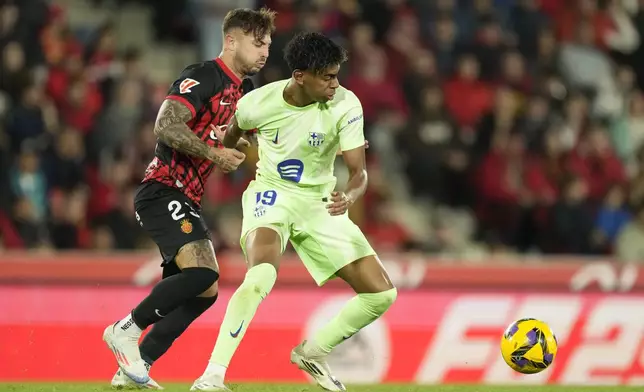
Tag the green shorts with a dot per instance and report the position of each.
(325, 243)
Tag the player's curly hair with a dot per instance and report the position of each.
(313, 52)
(260, 22)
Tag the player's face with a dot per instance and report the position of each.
(321, 87)
(252, 53)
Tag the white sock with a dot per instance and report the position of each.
(217, 370)
(128, 326)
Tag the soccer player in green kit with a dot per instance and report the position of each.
(301, 123)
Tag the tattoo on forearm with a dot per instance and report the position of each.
(171, 129)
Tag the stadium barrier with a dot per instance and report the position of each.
(444, 328)
(559, 274)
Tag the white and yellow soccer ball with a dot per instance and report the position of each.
(529, 346)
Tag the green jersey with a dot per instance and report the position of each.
(298, 145)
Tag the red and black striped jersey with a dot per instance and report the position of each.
(211, 91)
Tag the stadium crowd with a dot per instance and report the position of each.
(495, 126)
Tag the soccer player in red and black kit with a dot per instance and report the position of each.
(168, 201)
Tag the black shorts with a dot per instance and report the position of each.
(169, 217)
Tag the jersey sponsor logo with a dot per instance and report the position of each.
(356, 118)
(291, 170)
(224, 103)
(316, 139)
(187, 84)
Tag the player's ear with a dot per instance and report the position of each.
(228, 41)
(298, 76)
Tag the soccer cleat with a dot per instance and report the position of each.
(317, 367)
(125, 347)
(209, 382)
(121, 381)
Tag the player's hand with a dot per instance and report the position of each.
(220, 133)
(228, 159)
(340, 203)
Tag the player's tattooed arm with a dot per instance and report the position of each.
(170, 127)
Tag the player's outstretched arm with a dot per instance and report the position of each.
(171, 129)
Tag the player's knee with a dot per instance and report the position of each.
(211, 291)
(263, 245)
(201, 278)
(382, 301)
(259, 280)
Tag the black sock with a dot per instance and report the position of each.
(164, 333)
(171, 293)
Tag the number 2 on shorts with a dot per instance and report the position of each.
(267, 198)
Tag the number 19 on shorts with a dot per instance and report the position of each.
(263, 200)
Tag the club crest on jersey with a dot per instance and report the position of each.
(316, 139)
(186, 226)
(186, 85)
(259, 211)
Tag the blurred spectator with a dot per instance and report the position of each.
(506, 198)
(421, 74)
(26, 120)
(572, 219)
(527, 21)
(14, 75)
(444, 43)
(29, 183)
(630, 241)
(375, 90)
(81, 104)
(430, 142)
(466, 83)
(627, 131)
(488, 47)
(68, 224)
(119, 120)
(595, 161)
(611, 218)
(121, 231)
(64, 161)
(26, 223)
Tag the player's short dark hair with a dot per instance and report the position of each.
(313, 52)
(259, 23)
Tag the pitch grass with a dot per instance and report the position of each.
(75, 387)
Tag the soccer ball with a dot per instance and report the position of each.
(528, 346)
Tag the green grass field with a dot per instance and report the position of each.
(72, 387)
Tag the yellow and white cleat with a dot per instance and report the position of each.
(317, 367)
